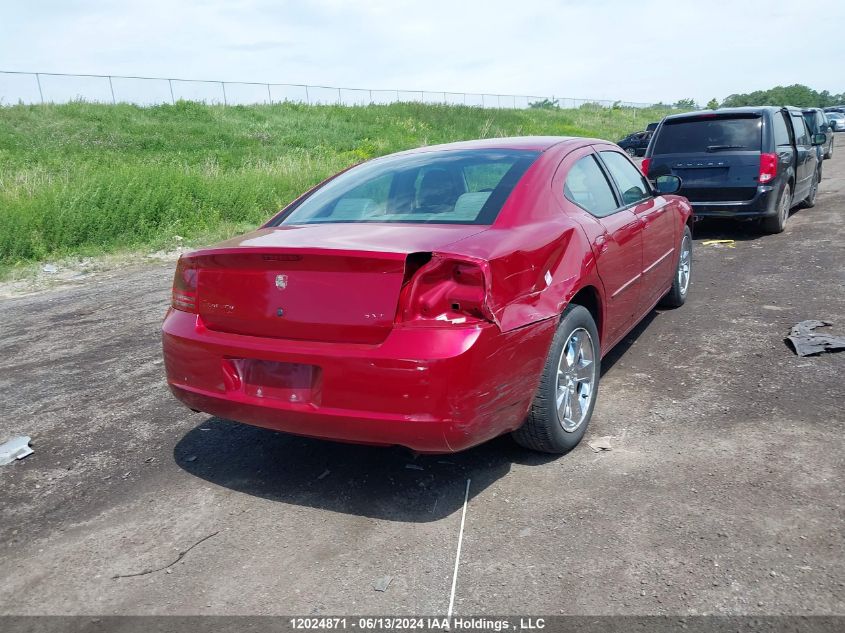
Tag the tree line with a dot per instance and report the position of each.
(794, 95)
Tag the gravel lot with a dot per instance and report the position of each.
(723, 492)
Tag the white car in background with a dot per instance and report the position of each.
(836, 120)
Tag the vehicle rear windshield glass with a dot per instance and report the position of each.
(436, 187)
(717, 134)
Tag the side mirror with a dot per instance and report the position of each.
(667, 184)
(819, 139)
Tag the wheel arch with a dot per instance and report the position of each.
(589, 297)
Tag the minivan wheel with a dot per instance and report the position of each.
(777, 222)
(810, 201)
(564, 402)
(677, 295)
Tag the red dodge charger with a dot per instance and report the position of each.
(434, 298)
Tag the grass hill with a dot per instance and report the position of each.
(82, 178)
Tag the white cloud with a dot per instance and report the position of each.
(642, 50)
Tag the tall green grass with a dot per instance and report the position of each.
(86, 178)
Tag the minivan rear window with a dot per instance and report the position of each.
(711, 134)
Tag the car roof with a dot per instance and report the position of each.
(535, 143)
(722, 111)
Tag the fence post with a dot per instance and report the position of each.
(371, 97)
(223, 85)
(111, 87)
(172, 98)
(307, 97)
(269, 96)
(38, 79)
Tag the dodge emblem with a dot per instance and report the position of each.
(281, 282)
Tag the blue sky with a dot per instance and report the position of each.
(633, 50)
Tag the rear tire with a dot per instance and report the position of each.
(566, 397)
(677, 295)
(777, 222)
(631, 152)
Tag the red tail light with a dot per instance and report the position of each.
(448, 290)
(185, 286)
(768, 167)
(644, 166)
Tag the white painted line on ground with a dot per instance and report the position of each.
(458, 554)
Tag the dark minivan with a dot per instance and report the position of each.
(745, 163)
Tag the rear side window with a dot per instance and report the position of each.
(711, 134)
(781, 132)
(587, 187)
(632, 185)
(800, 128)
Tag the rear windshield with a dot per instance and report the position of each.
(437, 187)
(684, 136)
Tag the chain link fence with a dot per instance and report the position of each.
(29, 87)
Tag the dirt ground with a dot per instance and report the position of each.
(723, 492)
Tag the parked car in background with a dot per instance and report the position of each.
(434, 298)
(745, 163)
(836, 120)
(635, 144)
(818, 124)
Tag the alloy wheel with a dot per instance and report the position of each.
(684, 265)
(576, 378)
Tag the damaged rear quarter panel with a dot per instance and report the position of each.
(537, 257)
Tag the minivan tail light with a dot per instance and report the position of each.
(184, 296)
(768, 167)
(644, 166)
(448, 290)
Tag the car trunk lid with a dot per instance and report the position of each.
(333, 283)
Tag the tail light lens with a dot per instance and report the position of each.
(447, 290)
(185, 286)
(768, 167)
(644, 166)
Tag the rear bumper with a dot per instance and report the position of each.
(434, 390)
(764, 203)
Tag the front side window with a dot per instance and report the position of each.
(587, 186)
(631, 183)
(801, 135)
(810, 120)
(437, 187)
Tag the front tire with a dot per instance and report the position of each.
(566, 397)
(631, 151)
(677, 295)
(777, 222)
